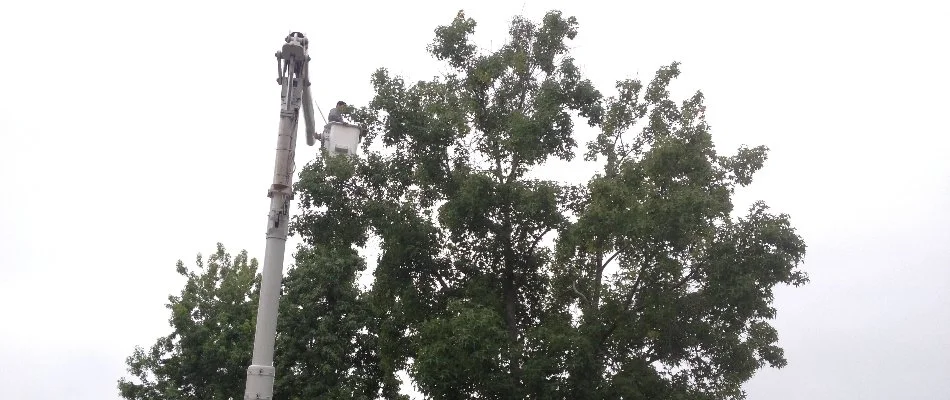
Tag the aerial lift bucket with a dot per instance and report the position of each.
(341, 138)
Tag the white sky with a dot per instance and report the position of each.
(134, 135)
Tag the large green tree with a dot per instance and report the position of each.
(636, 284)
(492, 283)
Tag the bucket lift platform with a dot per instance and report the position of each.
(338, 139)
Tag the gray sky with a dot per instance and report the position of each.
(134, 135)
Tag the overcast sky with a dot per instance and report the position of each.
(134, 134)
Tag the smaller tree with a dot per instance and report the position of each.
(206, 355)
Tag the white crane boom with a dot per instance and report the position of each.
(293, 68)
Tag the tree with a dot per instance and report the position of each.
(650, 288)
(207, 354)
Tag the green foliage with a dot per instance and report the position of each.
(637, 284)
(207, 355)
(321, 315)
(650, 288)
(457, 354)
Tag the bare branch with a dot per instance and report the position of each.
(441, 281)
(602, 266)
(579, 294)
(690, 275)
(537, 240)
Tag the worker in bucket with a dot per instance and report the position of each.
(335, 116)
(336, 113)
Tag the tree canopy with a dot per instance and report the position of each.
(636, 284)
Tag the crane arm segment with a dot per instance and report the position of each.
(293, 68)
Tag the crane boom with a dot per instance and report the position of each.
(293, 68)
